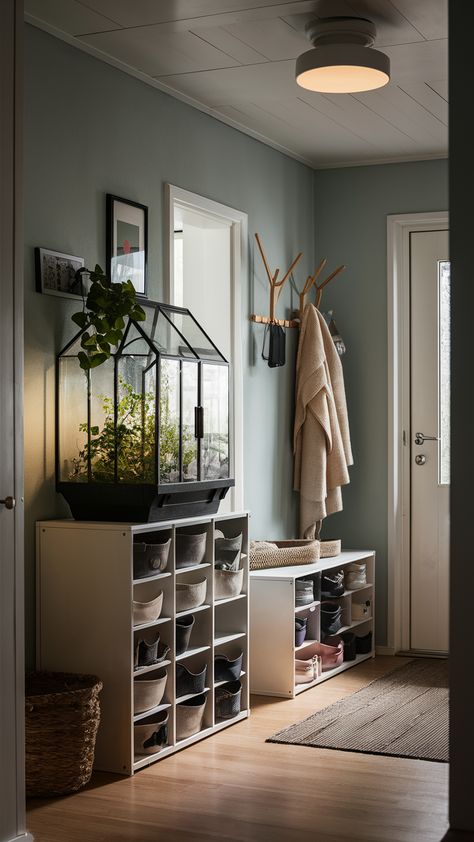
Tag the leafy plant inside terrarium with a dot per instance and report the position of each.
(135, 440)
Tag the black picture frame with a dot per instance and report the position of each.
(56, 274)
(127, 223)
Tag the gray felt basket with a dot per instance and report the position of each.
(148, 692)
(228, 583)
(190, 595)
(189, 716)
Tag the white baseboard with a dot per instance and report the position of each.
(24, 837)
(384, 650)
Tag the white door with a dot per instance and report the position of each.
(430, 457)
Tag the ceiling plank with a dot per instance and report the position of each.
(401, 110)
(428, 98)
(430, 17)
(441, 87)
(149, 12)
(274, 39)
(424, 60)
(347, 111)
(158, 54)
(69, 15)
(223, 40)
(270, 80)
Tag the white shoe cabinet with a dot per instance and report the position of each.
(272, 620)
(85, 589)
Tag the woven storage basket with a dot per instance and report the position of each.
(330, 548)
(62, 716)
(288, 553)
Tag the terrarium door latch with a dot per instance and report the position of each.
(199, 422)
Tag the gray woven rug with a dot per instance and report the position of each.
(403, 714)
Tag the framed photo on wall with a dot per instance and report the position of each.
(127, 242)
(56, 274)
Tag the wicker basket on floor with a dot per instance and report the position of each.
(286, 554)
(62, 716)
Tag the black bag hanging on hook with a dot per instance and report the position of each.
(274, 338)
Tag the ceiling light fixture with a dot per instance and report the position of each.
(342, 60)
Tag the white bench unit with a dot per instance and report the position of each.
(272, 622)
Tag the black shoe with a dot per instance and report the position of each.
(332, 584)
(331, 618)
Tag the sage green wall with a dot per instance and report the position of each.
(351, 208)
(90, 129)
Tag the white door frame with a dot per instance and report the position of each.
(239, 268)
(399, 228)
(12, 775)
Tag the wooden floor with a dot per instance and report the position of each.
(234, 786)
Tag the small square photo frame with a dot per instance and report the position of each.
(127, 242)
(56, 274)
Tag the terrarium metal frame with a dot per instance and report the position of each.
(145, 501)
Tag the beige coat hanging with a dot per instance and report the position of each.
(322, 446)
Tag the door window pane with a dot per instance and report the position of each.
(444, 285)
(169, 420)
(215, 401)
(190, 401)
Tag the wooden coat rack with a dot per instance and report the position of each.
(276, 287)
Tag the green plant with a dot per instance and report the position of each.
(134, 438)
(103, 318)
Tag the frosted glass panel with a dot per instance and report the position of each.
(444, 283)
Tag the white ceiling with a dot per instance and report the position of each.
(235, 60)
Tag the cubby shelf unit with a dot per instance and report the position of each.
(272, 620)
(85, 591)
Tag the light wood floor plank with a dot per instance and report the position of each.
(235, 787)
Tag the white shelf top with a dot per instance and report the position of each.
(151, 668)
(138, 716)
(227, 680)
(307, 642)
(136, 528)
(152, 623)
(192, 611)
(189, 652)
(354, 625)
(310, 606)
(219, 639)
(188, 696)
(294, 572)
(230, 599)
(147, 759)
(143, 579)
(180, 570)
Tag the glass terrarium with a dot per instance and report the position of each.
(145, 436)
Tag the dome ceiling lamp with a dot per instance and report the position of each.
(342, 60)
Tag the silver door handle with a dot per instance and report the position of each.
(420, 438)
(8, 502)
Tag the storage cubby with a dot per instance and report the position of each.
(272, 617)
(87, 582)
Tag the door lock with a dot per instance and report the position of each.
(9, 502)
(420, 459)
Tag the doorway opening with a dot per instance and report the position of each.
(206, 270)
